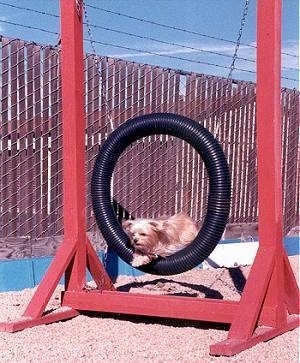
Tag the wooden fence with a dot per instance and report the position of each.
(156, 175)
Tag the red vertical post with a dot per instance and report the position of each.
(266, 301)
(269, 134)
(265, 282)
(269, 121)
(73, 136)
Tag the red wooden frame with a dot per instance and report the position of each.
(269, 304)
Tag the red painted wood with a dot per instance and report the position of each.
(253, 296)
(269, 122)
(264, 299)
(269, 176)
(231, 347)
(73, 138)
(291, 296)
(57, 315)
(269, 146)
(97, 270)
(178, 307)
(50, 280)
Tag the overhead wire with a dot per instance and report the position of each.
(168, 56)
(193, 48)
(28, 27)
(141, 51)
(124, 47)
(29, 9)
(150, 22)
(172, 27)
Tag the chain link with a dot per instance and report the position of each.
(97, 63)
(238, 41)
(224, 283)
(232, 66)
(78, 8)
(216, 131)
(103, 96)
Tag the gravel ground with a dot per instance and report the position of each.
(107, 338)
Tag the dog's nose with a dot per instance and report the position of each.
(135, 241)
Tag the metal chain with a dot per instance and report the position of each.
(229, 78)
(232, 65)
(78, 8)
(97, 63)
(230, 287)
(225, 283)
(238, 41)
(105, 101)
(103, 96)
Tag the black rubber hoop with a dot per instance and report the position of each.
(218, 203)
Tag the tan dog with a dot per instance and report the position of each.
(161, 237)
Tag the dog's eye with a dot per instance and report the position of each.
(143, 234)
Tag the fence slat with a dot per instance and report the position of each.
(55, 122)
(5, 140)
(24, 177)
(29, 165)
(37, 69)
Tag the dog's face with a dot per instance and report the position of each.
(143, 234)
(153, 238)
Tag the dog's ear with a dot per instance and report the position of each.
(160, 229)
(157, 225)
(126, 224)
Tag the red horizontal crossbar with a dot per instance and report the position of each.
(178, 307)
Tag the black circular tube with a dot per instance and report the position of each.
(218, 203)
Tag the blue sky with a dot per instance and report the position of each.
(216, 22)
